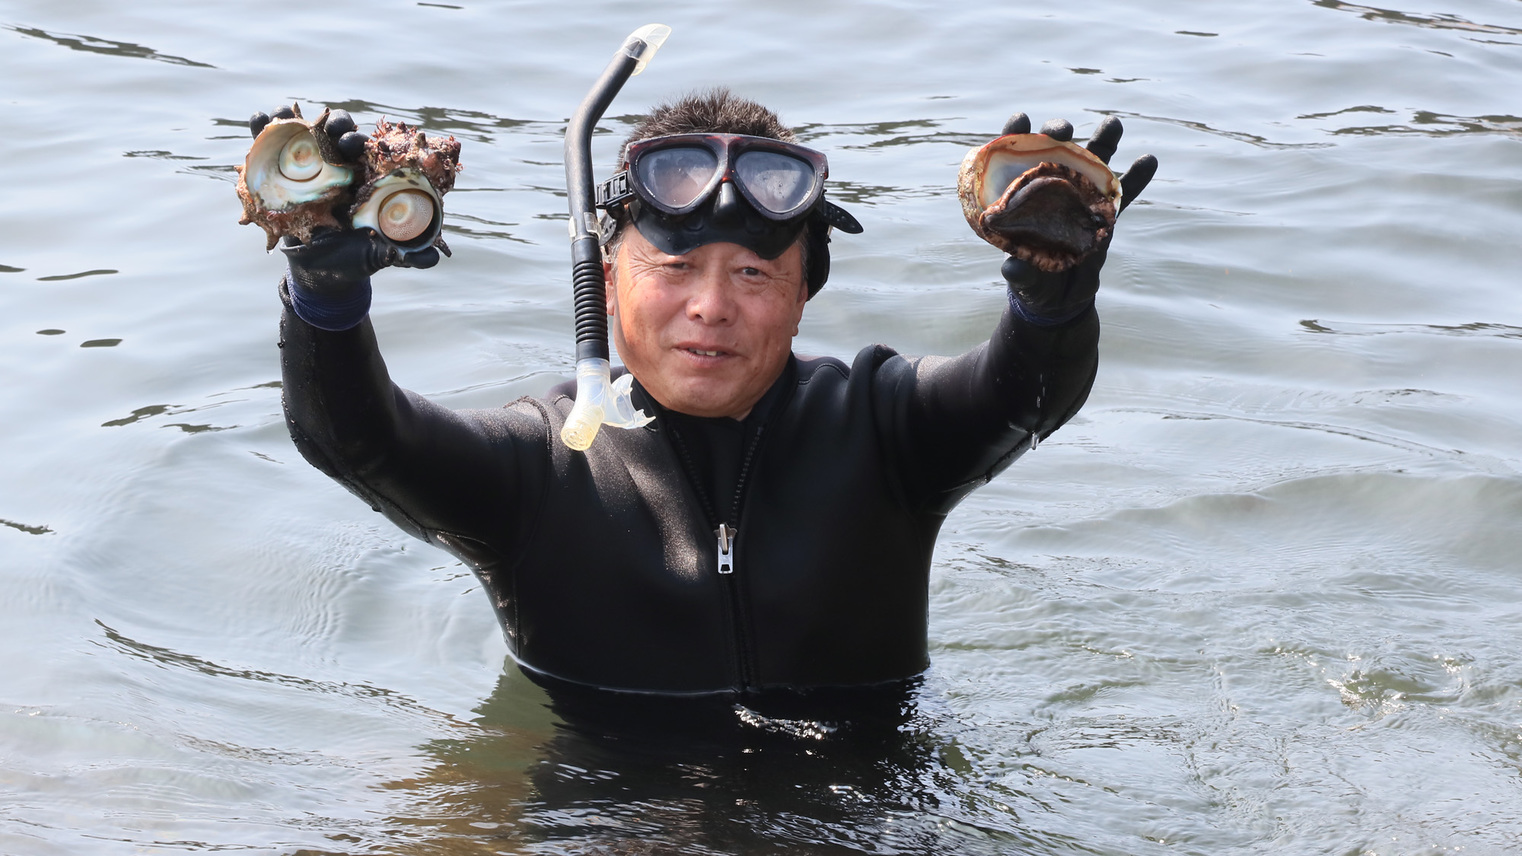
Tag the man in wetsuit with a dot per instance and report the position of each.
(773, 527)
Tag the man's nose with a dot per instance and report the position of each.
(711, 300)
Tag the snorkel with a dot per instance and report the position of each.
(598, 400)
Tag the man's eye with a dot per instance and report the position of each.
(750, 271)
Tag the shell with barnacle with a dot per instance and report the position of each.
(292, 179)
(1046, 202)
(406, 174)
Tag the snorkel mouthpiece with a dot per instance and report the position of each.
(598, 400)
(643, 43)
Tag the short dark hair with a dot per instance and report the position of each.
(707, 111)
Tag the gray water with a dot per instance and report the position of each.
(1261, 596)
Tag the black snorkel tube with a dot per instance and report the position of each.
(597, 399)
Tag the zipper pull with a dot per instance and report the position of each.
(726, 548)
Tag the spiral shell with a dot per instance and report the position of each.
(290, 181)
(406, 174)
(406, 214)
(294, 181)
(1046, 202)
(403, 207)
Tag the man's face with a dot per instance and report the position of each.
(705, 333)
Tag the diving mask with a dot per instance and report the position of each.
(686, 190)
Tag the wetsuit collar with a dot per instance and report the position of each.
(758, 414)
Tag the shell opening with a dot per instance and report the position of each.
(1007, 158)
(300, 159)
(1003, 169)
(285, 169)
(403, 207)
(405, 215)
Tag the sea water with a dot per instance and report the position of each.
(1263, 595)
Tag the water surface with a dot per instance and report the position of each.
(1261, 596)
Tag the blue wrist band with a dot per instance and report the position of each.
(327, 311)
(1030, 317)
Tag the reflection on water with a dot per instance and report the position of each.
(160, 656)
(1436, 21)
(1477, 328)
(467, 125)
(22, 527)
(1438, 125)
(577, 772)
(64, 277)
(91, 44)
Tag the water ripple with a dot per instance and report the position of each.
(1353, 328)
(465, 124)
(64, 277)
(22, 527)
(1257, 140)
(166, 657)
(1428, 123)
(91, 44)
(1301, 425)
(1437, 21)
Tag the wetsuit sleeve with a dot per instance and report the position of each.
(957, 422)
(466, 480)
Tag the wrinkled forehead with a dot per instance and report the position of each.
(624, 244)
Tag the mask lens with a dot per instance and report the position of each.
(676, 177)
(777, 182)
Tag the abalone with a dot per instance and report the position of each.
(293, 178)
(406, 174)
(1043, 201)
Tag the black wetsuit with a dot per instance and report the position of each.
(604, 566)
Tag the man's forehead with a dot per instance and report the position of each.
(636, 247)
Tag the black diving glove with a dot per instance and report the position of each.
(1048, 299)
(329, 278)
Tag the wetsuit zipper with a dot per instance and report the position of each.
(726, 549)
(726, 537)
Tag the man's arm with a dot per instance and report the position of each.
(432, 471)
(959, 421)
(428, 468)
